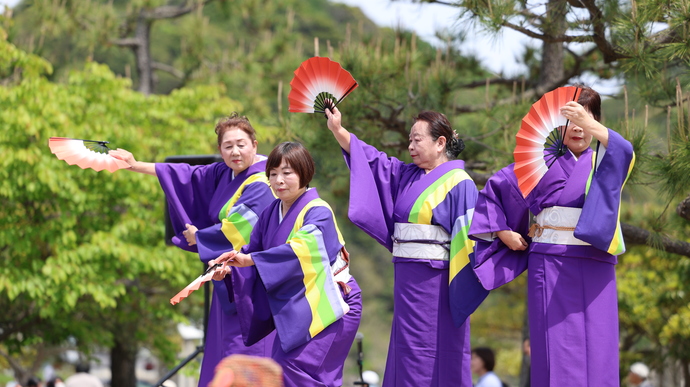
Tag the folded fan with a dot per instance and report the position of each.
(195, 285)
(319, 84)
(85, 153)
(540, 140)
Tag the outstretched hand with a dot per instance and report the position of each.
(234, 258)
(124, 155)
(334, 119)
(335, 125)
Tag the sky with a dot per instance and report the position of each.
(497, 53)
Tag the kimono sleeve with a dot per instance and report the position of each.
(455, 214)
(500, 206)
(233, 233)
(374, 178)
(302, 295)
(249, 293)
(188, 191)
(599, 223)
(235, 230)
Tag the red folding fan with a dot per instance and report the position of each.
(319, 84)
(196, 284)
(85, 153)
(539, 142)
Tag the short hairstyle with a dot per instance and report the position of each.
(439, 126)
(295, 155)
(487, 356)
(590, 100)
(232, 122)
(82, 367)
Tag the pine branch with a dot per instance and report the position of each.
(610, 52)
(126, 42)
(168, 69)
(530, 93)
(172, 11)
(638, 236)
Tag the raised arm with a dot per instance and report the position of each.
(579, 116)
(341, 134)
(134, 165)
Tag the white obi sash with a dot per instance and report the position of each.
(556, 225)
(421, 241)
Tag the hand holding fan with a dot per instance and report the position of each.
(196, 284)
(539, 142)
(85, 153)
(319, 84)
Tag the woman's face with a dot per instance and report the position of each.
(425, 152)
(285, 183)
(576, 139)
(237, 149)
(477, 365)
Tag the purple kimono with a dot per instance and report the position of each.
(572, 301)
(291, 289)
(500, 206)
(206, 196)
(430, 337)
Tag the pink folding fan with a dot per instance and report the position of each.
(539, 142)
(85, 153)
(319, 84)
(196, 284)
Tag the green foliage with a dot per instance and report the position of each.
(82, 252)
(105, 230)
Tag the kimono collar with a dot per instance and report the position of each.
(285, 226)
(407, 200)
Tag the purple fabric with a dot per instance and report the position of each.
(195, 195)
(604, 193)
(573, 311)
(264, 297)
(572, 289)
(500, 206)
(319, 362)
(426, 348)
(572, 302)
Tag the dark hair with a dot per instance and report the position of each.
(33, 382)
(235, 121)
(487, 356)
(82, 367)
(297, 156)
(439, 126)
(590, 100)
(53, 381)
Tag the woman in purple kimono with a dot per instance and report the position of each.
(213, 209)
(293, 277)
(421, 212)
(572, 301)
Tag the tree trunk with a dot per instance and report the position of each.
(683, 209)
(142, 52)
(552, 61)
(123, 356)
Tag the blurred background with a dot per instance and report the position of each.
(85, 274)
